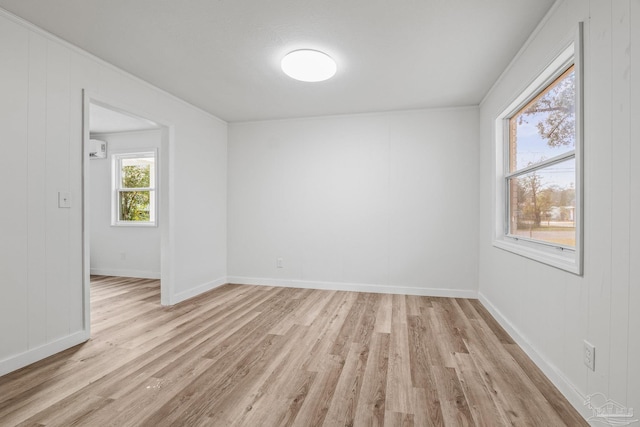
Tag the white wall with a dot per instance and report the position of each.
(382, 202)
(549, 311)
(121, 251)
(41, 308)
(377, 202)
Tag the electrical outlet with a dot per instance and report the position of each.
(64, 199)
(589, 352)
(279, 263)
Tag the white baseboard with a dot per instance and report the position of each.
(566, 387)
(138, 274)
(190, 293)
(354, 287)
(33, 355)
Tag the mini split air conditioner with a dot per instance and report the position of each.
(97, 149)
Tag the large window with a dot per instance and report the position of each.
(542, 168)
(134, 188)
(539, 214)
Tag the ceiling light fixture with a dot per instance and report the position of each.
(308, 65)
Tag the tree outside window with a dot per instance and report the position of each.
(542, 171)
(134, 192)
(538, 196)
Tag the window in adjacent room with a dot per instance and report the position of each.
(134, 189)
(539, 140)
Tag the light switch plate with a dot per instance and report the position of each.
(64, 199)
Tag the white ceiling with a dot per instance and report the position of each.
(105, 120)
(223, 55)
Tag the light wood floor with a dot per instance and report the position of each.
(257, 356)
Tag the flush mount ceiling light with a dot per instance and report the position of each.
(308, 65)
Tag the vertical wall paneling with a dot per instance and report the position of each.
(77, 80)
(601, 306)
(37, 186)
(14, 88)
(621, 141)
(598, 194)
(41, 132)
(633, 310)
(576, 310)
(57, 153)
(167, 254)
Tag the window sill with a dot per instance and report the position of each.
(567, 259)
(135, 224)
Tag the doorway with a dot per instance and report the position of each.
(125, 195)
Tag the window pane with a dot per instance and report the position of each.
(137, 173)
(543, 203)
(546, 126)
(134, 205)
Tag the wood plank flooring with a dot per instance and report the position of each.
(266, 356)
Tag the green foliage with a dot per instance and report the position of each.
(136, 176)
(135, 205)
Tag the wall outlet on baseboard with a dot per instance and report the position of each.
(279, 262)
(589, 355)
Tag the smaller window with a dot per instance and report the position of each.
(134, 189)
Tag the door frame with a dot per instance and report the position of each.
(165, 195)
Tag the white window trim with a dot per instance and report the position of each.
(115, 177)
(568, 259)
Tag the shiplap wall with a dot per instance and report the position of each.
(550, 311)
(41, 107)
(633, 369)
